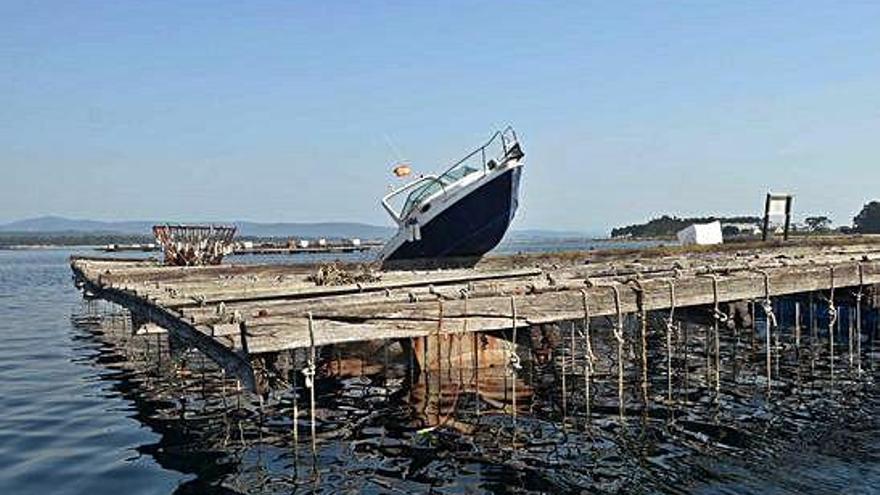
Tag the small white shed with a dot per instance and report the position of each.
(701, 233)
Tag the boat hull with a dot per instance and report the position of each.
(470, 227)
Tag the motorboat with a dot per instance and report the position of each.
(459, 215)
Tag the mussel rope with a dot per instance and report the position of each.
(513, 361)
(643, 334)
(767, 306)
(589, 358)
(295, 408)
(717, 318)
(832, 320)
(670, 328)
(618, 334)
(309, 373)
(859, 295)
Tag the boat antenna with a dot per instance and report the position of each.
(393, 148)
(402, 167)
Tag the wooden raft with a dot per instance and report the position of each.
(232, 312)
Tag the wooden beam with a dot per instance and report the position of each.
(234, 363)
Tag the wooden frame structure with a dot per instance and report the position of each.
(232, 313)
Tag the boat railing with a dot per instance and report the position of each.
(425, 181)
(506, 138)
(481, 160)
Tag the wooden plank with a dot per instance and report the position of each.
(271, 293)
(380, 321)
(568, 304)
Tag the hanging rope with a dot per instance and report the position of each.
(618, 334)
(814, 337)
(589, 358)
(563, 380)
(643, 333)
(514, 362)
(717, 318)
(439, 350)
(767, 306)
(670, 328)
(832, 320)
(797, 334)
(513, 359)
(295, 405)
(859, 295)
(309, 373)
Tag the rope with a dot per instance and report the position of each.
(309, 373)
(573, 350)
(767, 306)
(832, 320)
(859, 295)
(295, 408)
(717, 318)
(813, 335)
(618, 334)
(563, 384)
(588, 355)
(513, 362)
(643, 317)
(670, 328)
(439, 351)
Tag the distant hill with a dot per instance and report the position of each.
(61, 224)
(50, 224)
(68, 231)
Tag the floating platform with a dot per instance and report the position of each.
(283, 249)
(233, 313)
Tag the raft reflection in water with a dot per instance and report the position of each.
(449, 376)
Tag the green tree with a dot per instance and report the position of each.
(818, 224)
(868, 220)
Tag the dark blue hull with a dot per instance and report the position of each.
(471, 227)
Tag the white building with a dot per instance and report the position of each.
(701, 234)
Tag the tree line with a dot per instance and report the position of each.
(669, 225)
(866, 222)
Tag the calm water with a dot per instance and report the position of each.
(85, 407)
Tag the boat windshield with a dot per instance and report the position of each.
(479, 161)
(439, 184)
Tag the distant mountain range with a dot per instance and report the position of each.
(51, 224)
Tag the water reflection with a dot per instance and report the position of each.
(450, 413)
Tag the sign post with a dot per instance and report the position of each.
(777, 205)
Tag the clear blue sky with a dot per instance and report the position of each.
(278, 111)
